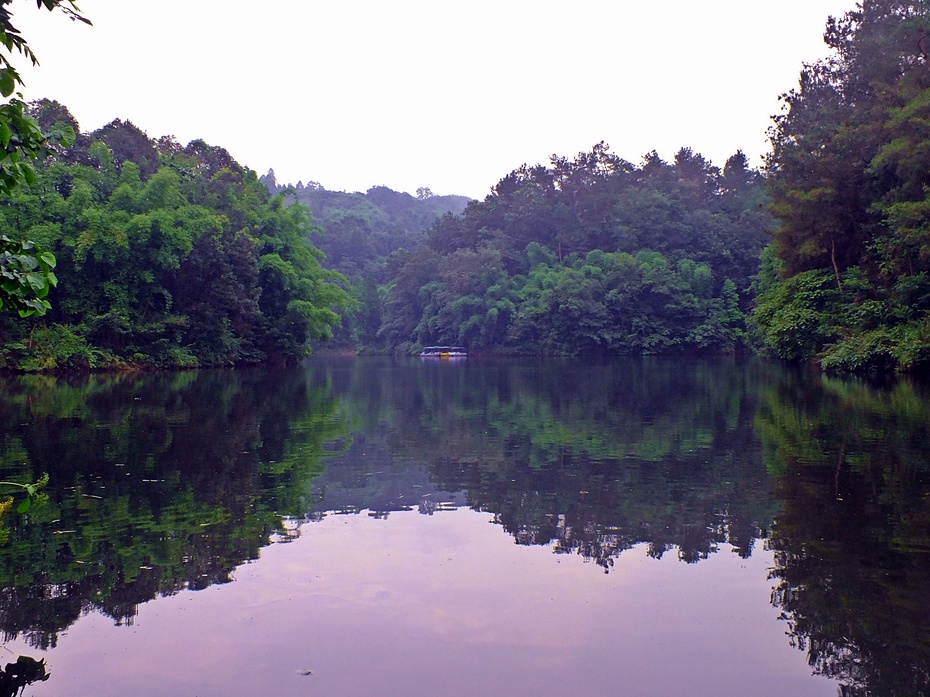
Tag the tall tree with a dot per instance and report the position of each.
(848, 173)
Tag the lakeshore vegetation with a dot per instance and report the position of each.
(173, 255)
(167, 256)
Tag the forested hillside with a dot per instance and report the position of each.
(167, 256)
(360, 230)
(848, 280)
(591, 255)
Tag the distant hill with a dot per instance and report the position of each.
(360, 230)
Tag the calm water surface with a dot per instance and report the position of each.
(398, 527)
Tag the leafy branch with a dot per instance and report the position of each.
(26, 276)
(32, 492)
(12, 40)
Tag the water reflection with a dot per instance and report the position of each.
(165, 483)
(591, 458)
(159, 483)
(16, 677)
(852, 543)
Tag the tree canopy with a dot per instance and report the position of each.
(588, 255)
(849, 174)
(168, 255)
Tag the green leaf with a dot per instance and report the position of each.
(28, 173)
(7, 82)
(37, 283)
(24, 506)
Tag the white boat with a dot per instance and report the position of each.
(444, 352)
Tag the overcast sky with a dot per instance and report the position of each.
(443, 94)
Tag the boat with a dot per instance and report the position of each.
(444, 352)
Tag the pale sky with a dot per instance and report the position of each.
(446, 95)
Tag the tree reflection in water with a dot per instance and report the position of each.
(168, 482)
(592, 458)
(15, 677)
(160, 483)
(852, 543)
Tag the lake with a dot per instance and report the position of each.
(512, 527)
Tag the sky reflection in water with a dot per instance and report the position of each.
(445, 605)
(757, 476)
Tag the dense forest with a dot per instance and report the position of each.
(826, 248)
(176, 256)
(360, 230)
(167, 256)
(172, 255)
(591, 255)
(848, 282)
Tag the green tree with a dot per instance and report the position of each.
(195, 264)
(590, 254)
(299, 299)
(25, 270)
(849, 185)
